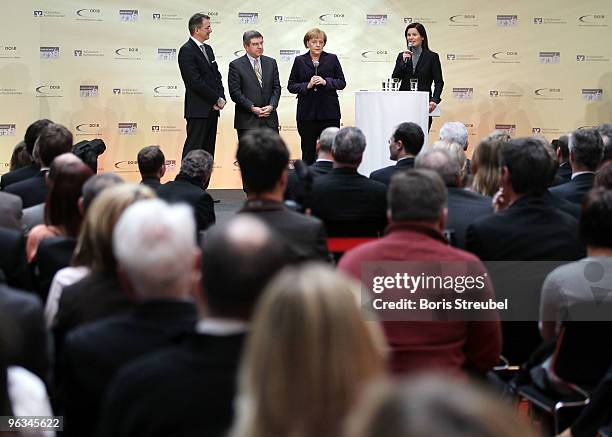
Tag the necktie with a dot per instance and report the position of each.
(203, 48)
(257, 69)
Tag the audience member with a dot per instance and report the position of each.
(238, 260)
(417, 215)
(603, 177)
(11, 211)
(20, 157)
(485, 165)
(263, 158)
(20, 174)
(456, 132)
(156, 253)
(12, 259)
(190, 185)
(564, 170)
(464, 206)
(585, 153)
(54, 140)
(458, 155)
(349, 203)
(152, 166)
(309, 351)
(404, 145)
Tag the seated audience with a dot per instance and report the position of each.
(238, 260)
(20, 157)
(156, 253)
(417, 204)
(152, 166)
(263, 158)
(11, 211)
(564, 171)
(605, 130)
(53, 140)
(308, 358)
(456, 152)
(13, 262)
(190, 185)
(485, 164)
(603, 177)
(349, 203)
(456, 132)
(585, 153)
(404, 145)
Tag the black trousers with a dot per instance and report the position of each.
(309, 131)
(201, 134)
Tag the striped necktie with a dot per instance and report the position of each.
(203, 48)
(257, 69)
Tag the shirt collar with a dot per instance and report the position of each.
(252, 59)
(218, 326)
(198, 43)
(578, 173)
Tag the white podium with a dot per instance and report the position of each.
(377, 113)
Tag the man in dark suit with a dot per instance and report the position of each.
(585, 153)
(254, 86)
(147, 398)
(349, 203)
(405, 143)
(152, 166)
(31, 135)
(204, 95)
(11, 211)
(12, 259)
(564, 171)
(263, 158)
(156, 251)
(190, 185)
(464, 206)
(54, 140)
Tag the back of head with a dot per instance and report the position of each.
(440, 161)
(308, 346)
(263, 157)
(20, 156)
(456, 152)
(197, 164)
(434, 406)
(238, 260)
(96, 184)
(54, 139)
(326, 139)
(454, 132)
(485, 162)
(412, 137)
(561, 146)
(417, 194)
(605, 131)
(603, 177)
(529, 165)
(154, 243)
(94, 246)
(150, 160)
(32, 133)
(349, 145)
(596, 218)
(586, 146)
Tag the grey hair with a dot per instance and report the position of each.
(416, 194)
(96, 184)
(197, 164)
(349, 145)
(587, 147)
(249, 35)
(326, 139)
(454, 132)
(442, 162)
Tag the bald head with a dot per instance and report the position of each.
(440, 161)
(59, 162)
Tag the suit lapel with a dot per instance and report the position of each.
(200, 55)
(422, 60)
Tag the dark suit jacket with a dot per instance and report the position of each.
(575, 189)
(384, 175)
(190, 191)
(203, 85)
(13, 260)
(18, 175)
(93, 353)
(323, 103)
(349, 203)
(304, 236)
(11, 211)
(53, 253)
(245, 91)
(152, 183)
(32, 191)
(26, 334)
(464, 206)
(561, 204)
(564, 172)
(186, 390)
(428, 70)
(295, 190)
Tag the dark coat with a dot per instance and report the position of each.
(13, 259)
(428, 71)
(464, 206)
(295, 189)
(32, 191)
(575, 189)
(383, 175)
(18, 175)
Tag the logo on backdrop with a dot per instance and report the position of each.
(463, 93)
(248, 17)
(128, 53)
(376, 19)
(461, 57)
(593, 20)
(239, 53)
(288, 55)
(161, 16)
(10, 92)
(156, 128)
(87, 14)
(166, 54)
(506, 57)
(422, 20)
(288, 19)
(332, 19)
(510, 129)
(548, 20)
(215, 17)
(49, 53)
(550, 57)
(166, 91)
(83, 53)
(47, 91)
(127, 92)
(88, 90)
(88, 129)
(504, 93)
(9, 52)
(130, 166)
(507, 20)
(548, 94)
(8, 130)
(547, 131)
(592, 94)
(375, 56)
(592, 58)
(128, 128)
(48, 14)
(463, 20)
(128, 15)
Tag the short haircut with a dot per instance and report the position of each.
(349, 145)
(326, 139)
(416, 194)
(150, 160)
(154, 243)
(440, 161)
(528, 163)
(195, 22)
(605, 130)
(411, 135)
(456, 153)
(249, 35)
(596, 218)
(197, 164)
(454, 132)
(561, 144)
(54, 139)
(315, 33)
(33, 131)
(238, 260)
(587, 147)
(96, 184)
(262, 156)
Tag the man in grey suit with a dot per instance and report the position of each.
(254, 86)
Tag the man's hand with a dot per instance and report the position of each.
(266, 111)
(256, 110)
(500, 202)
(432, 106)
(220, 103)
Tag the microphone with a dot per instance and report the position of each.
(410, 49)
(316, 66)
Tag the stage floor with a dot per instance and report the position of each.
(231, 202)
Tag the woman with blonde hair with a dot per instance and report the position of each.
(308, 357)
(485, 163)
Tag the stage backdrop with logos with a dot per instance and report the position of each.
(108, 69)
